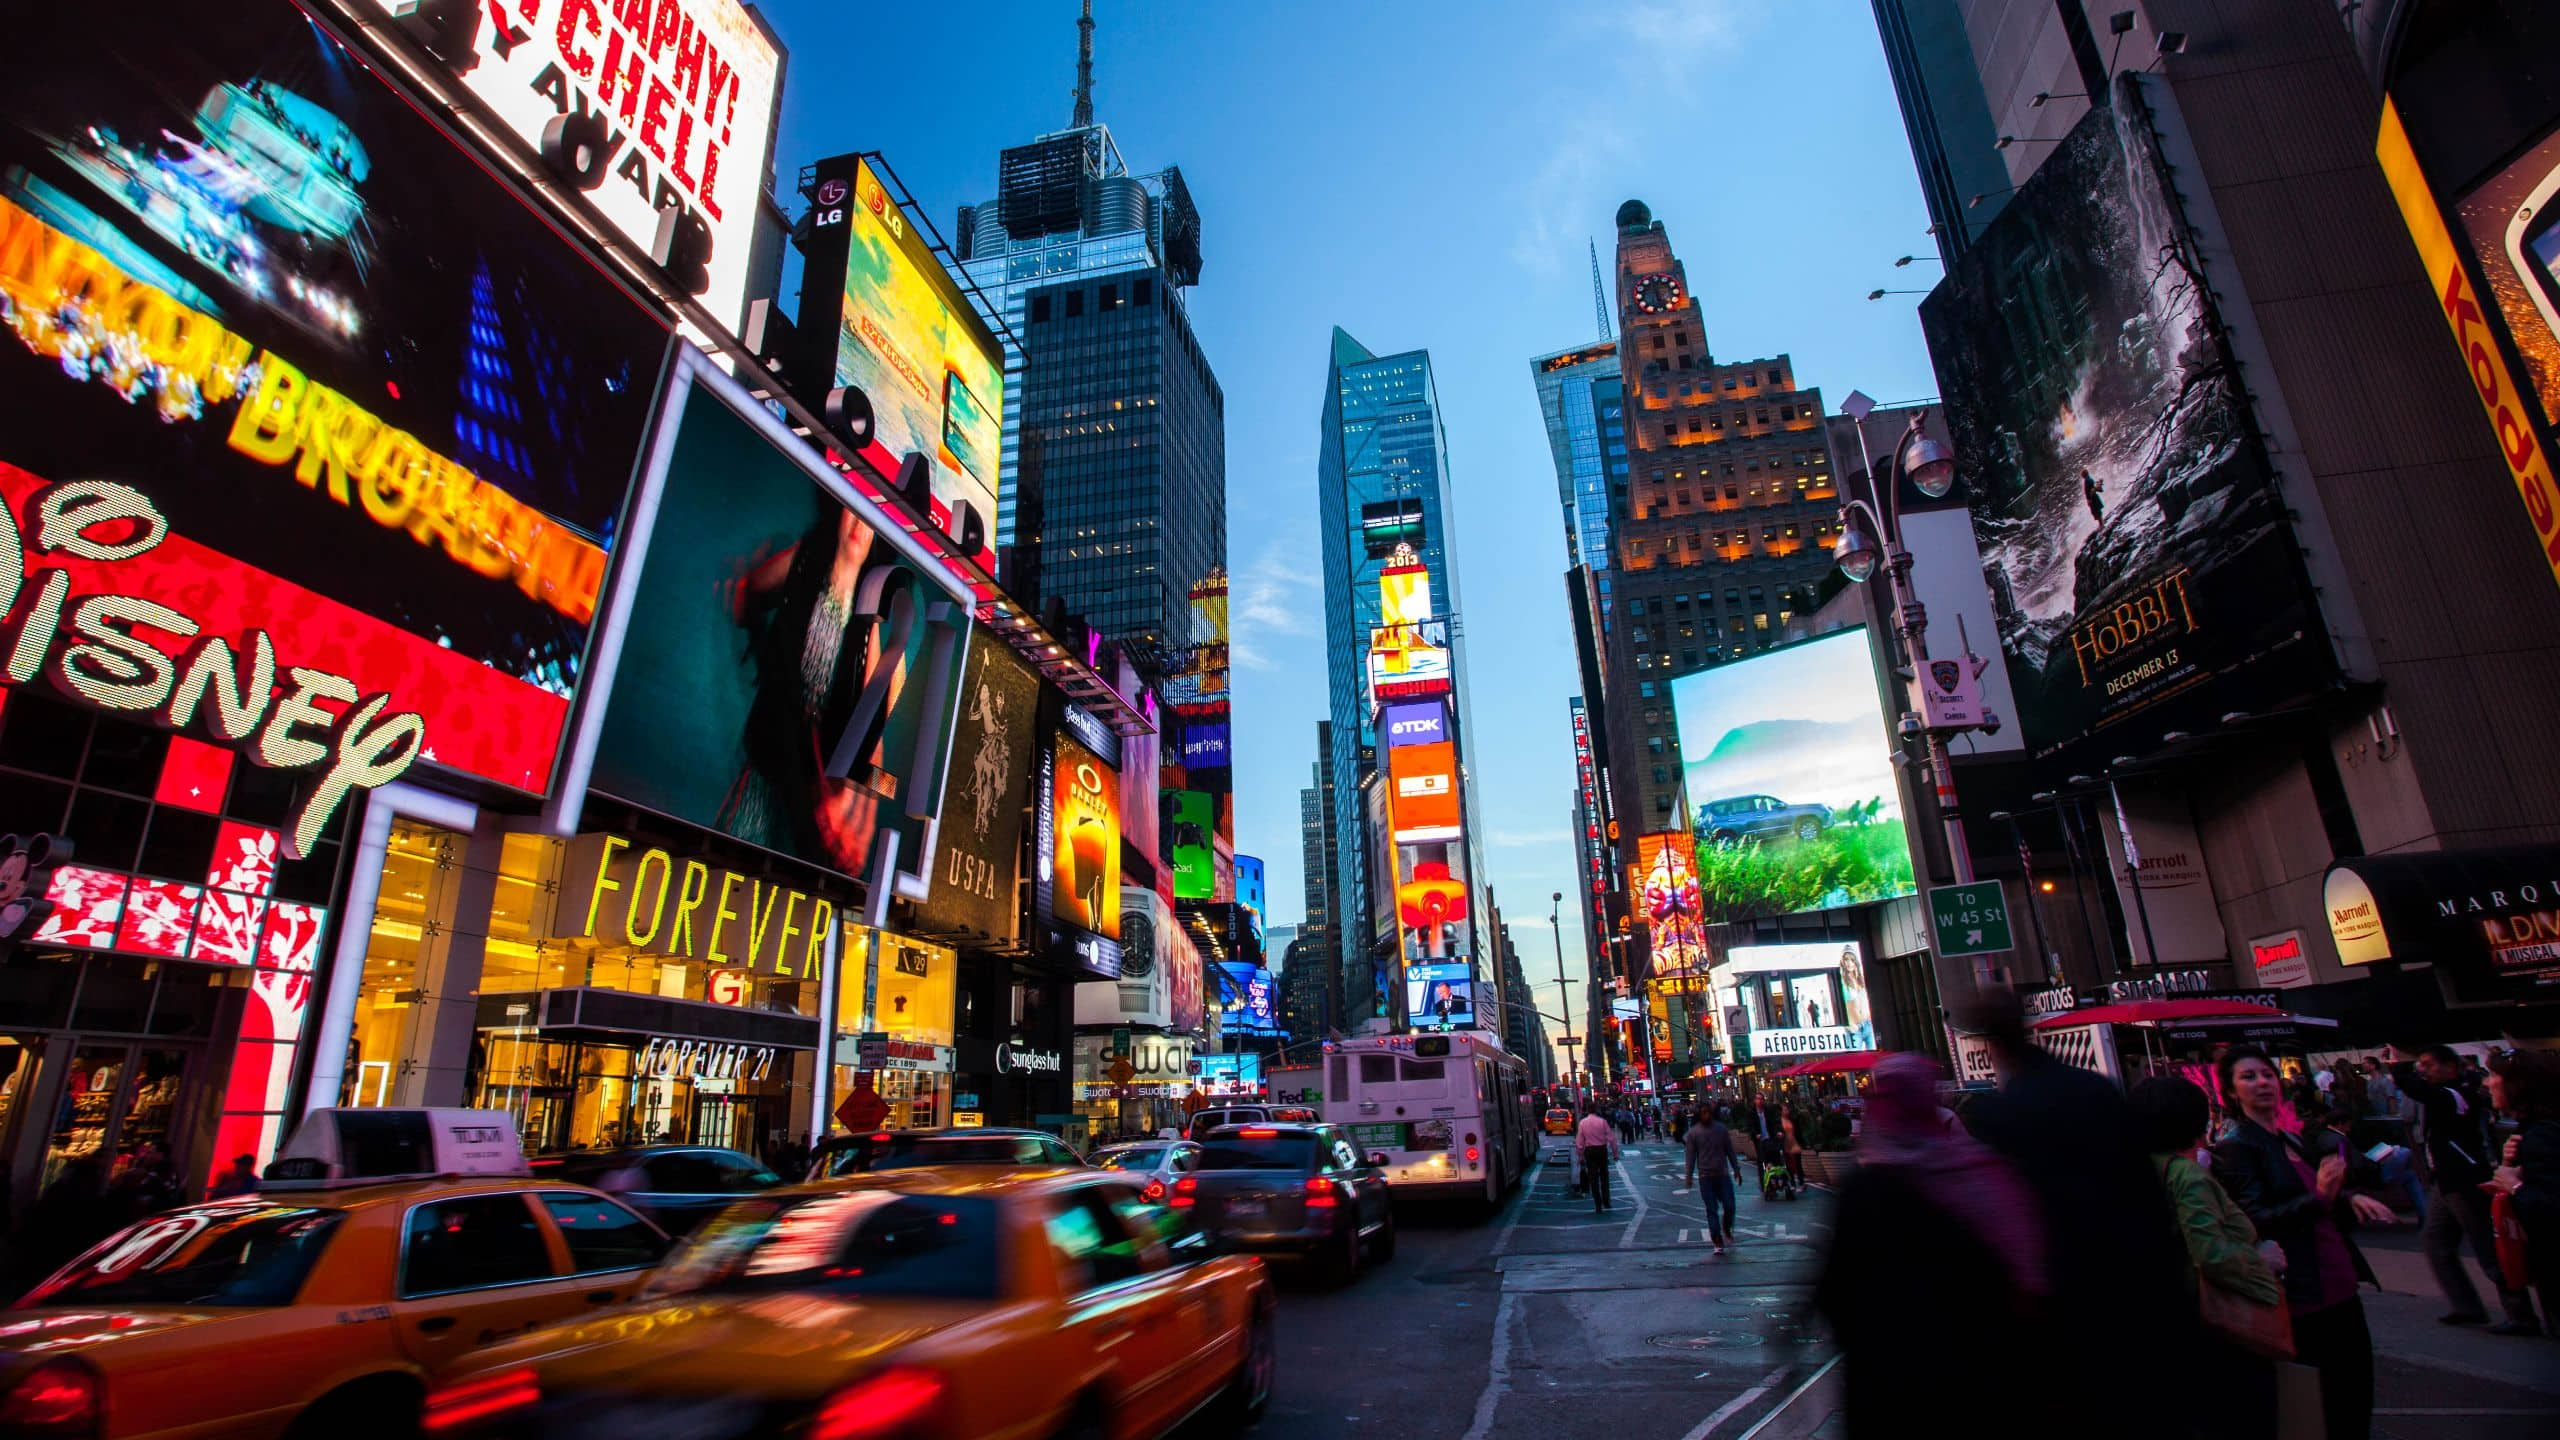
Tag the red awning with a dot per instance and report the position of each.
(2151, 1012)
(1831, 1064)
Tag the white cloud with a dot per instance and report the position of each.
(1273, 595)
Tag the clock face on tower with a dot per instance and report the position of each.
(1657, 293)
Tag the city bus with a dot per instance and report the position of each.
(1451, 1112)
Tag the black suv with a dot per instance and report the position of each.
(1300, 1191)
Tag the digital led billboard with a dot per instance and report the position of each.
(1413, 722)
(982, 797)
(916, 370)
(1194, 844)
(385, 417)
(1244, 991)
(1790, 784)
(1669, 901)
(1084, 841)
(2137, 549)
(1803, 999)
(1409, 661)
(1422, 799)
(679, 95)
(1440, 996)
(790, 672)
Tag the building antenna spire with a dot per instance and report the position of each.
(1084, 67)
(1599, 292)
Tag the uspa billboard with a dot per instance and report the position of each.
(384, 417)
(1669, 902)
(982, 798)
(790, 666)
(911, 365)
(639, 106)
(2136, 547)
(1790, 781)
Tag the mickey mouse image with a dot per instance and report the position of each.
(26, 872)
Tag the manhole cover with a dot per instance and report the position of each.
(1712, 1340)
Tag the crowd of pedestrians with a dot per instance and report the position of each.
(2064, 1225)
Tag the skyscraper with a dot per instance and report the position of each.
(1581, 399)
(1724, 531)
(1382, 481)
(1114, 425)
(1319, 945)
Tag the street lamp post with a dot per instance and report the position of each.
(1932, 468)
(1564, 990)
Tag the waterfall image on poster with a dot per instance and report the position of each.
(2131, 532)
(1790, 782)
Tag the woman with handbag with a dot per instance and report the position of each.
(2308, 1212)
(2239, 1297)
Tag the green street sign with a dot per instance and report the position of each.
(1119, 1042)
(1971, 919)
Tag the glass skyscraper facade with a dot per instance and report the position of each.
(1583, 403)
(1382, 477)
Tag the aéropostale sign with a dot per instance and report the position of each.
(357, 425)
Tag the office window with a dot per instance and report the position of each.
(1645, 688)
(1143, 293)
(1075, 303)
(1039, 309)
(1773, 376)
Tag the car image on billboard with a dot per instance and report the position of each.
(1791, 790)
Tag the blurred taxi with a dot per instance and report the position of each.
(1559, 1121)
(319, 1305)
(926, 1304)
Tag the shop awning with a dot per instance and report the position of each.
(1831, 1064)
(2152, 1012)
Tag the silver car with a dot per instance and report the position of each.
(1158, 1162)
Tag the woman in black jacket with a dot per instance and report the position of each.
(2300, 1201)
(2526, 1085)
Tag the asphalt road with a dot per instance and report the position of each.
(1550, 1321)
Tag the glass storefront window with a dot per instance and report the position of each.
(913, 996)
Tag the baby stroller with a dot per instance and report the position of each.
(1777, 1181)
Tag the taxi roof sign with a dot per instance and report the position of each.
(365, 1146)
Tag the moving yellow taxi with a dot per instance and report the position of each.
(1559, 1121)
(310, 1311)
(917, 1304)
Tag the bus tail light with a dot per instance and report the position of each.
(1473, 1154)
(60, 1398)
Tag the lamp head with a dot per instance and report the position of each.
(1857, 554)
(1929, 465)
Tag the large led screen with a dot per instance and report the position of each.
(1669, 901)
(1194, 841)
(1422, 804)
(982, 797)
(921, 369)
(1790, 788)
(2137, 551)
(790, 671)
(681, 93)
(1440, 996)
(386, 416)
(1084, 841)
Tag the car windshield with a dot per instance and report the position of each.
(859, 1242)
(1136, 1157)
(244, 1255)
(1275, 1150)
(907, 1152)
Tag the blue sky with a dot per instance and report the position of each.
(1425, 174)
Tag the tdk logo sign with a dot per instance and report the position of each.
(1415, 724)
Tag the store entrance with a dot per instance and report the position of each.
(114, 1105)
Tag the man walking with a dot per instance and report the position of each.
(1598, 1141)
(2453, 1123)
(1715, 1169)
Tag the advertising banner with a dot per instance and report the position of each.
(790, 671)
(1423, 803)
(1244, 992)
(1789, 781)
(1083, 854)
(1230, 1074)
(2156, 832)
(913, 364)
(1404, 594)
(1249, 892)
(983, 792)
(1792, 987)
(1418, 722)
(2137, 549)
(658, 103)
(1204, 745)
(209, 236)
(2511, 232)
(1409, 661)
(1586, 776)
(1665, 884)
(1440, 996)
(1194, 836)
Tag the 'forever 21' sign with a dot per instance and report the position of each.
(667, 1057)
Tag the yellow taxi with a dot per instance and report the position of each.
(927, 1304)
(1559, 1121)
(319, 1306)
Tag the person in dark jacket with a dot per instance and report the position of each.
(2526, 1085)
(2119, 1266)
(2454, 1120)
(2298, 1198)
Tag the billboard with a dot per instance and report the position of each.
(1404, 593)
(1416, 722)
(661, 104)
(790, 667)
(1422, 804)
(1807, 998)
(1250, 892)
(1205, 744)
(385, 418)
(1586, 776)
(1082, 849)
(983, 789)
(1408, 661)
(1440, 996)
(1665, 886)
(1194, 837)
(1230, 1074)
(1790, 781)
(1244, 992)
(2137, 550)
(911, 363)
